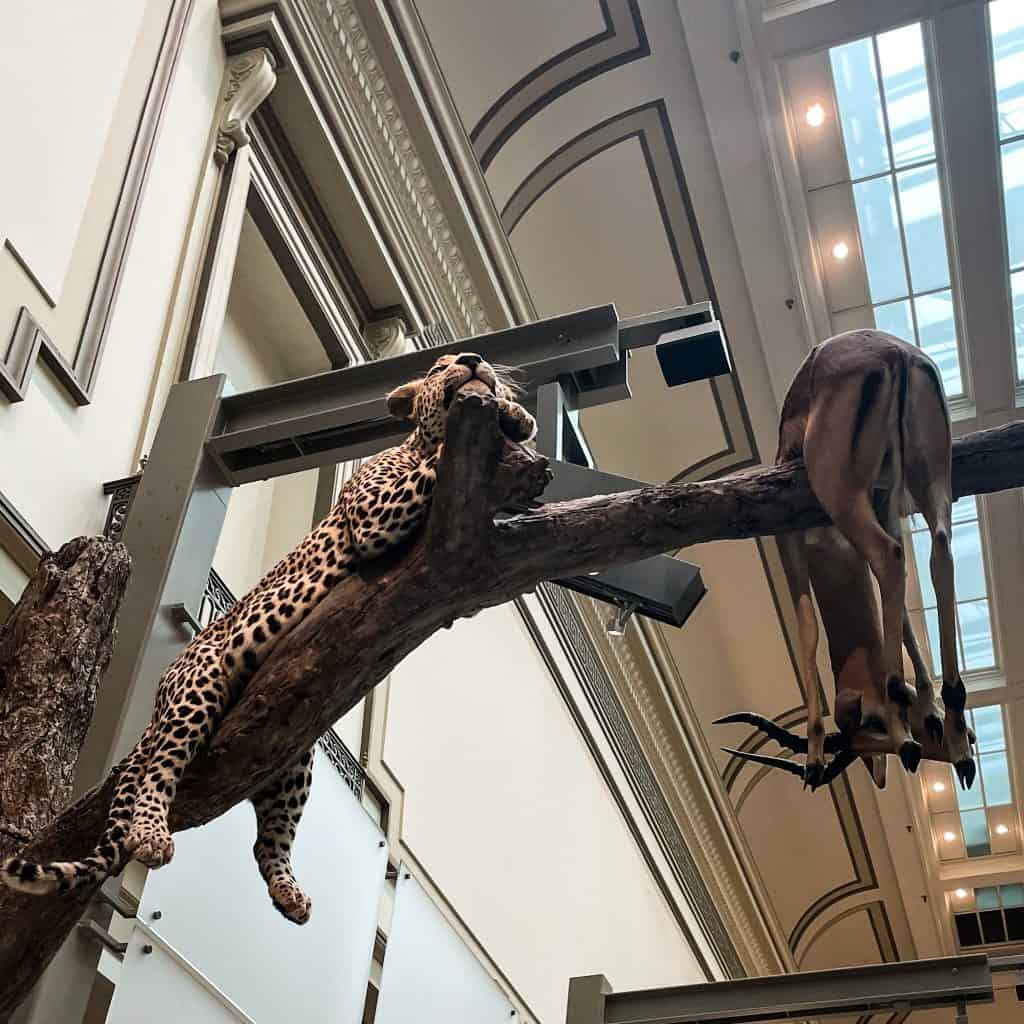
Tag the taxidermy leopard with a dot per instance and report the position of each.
(379, 507)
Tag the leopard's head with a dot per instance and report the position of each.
(425, 402)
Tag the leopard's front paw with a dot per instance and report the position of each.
(152, 848)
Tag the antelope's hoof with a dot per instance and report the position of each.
(900, 692)
(933, 726)
(910, 755)
(814, 773)
(966, 770)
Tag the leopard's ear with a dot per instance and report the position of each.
(401, 400)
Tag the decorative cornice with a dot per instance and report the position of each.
(370, 94)
(249, 78)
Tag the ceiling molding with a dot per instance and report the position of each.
(431, 114)
(325, 41)
(622, 40)
(650, 126)
(368, 90)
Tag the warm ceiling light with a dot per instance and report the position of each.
(949, 836)
(815, 115)
(1002, 829)
(939, 787)
(961, 894)
(840, 250)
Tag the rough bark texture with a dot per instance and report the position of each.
(54, 648)
(461, 562)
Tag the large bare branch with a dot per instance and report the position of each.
(461, 562)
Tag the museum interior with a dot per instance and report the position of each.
(230, 228)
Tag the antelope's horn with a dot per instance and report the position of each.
(784, 738)
(766, 759)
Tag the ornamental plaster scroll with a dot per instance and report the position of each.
(367, 88)
(633, 674)
(248, 80)
(388, 337)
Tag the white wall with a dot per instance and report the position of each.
(506, 810)
(56, 456)
(62, 66)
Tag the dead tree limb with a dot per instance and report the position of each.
(462, 561)
(54, 649)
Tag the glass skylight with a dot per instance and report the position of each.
(975, 647)
(1006, 23)
(885, 113)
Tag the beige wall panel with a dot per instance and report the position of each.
(731, 654)
(61, 70)
(505, 809)
(842, 943)
(793, 838)
(54, 456)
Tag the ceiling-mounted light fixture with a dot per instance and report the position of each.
(961, 894)
(939, 787)
(815, 115)
(1002, 829)
(840, 250)
(949, 836)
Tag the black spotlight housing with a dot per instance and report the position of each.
(694, 353)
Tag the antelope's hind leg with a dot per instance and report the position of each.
(849, 437)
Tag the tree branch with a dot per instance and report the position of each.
(372, 620)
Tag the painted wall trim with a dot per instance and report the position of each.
(28, 340)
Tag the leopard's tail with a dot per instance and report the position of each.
(62, 876)
(112, 851)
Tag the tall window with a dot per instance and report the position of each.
(987, 807)
(885, 112)
(998, 916)
(975, 648)
(1006, 23)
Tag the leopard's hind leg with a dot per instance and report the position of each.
(278, 810)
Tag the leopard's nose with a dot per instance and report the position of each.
(470, 359)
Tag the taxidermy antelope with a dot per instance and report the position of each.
(866, 413)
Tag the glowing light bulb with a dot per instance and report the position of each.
(939, 787)
(949, 836)
(840, 250)
(815, 115)
(1002, 829)
(961, 894)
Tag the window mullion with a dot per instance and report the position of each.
(975, 227)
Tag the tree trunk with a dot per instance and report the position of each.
(54, 648)
(461, 562)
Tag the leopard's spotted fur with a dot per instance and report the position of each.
(376, 509)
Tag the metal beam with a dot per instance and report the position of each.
(663, 587)
(916, 985)
(342, 414)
